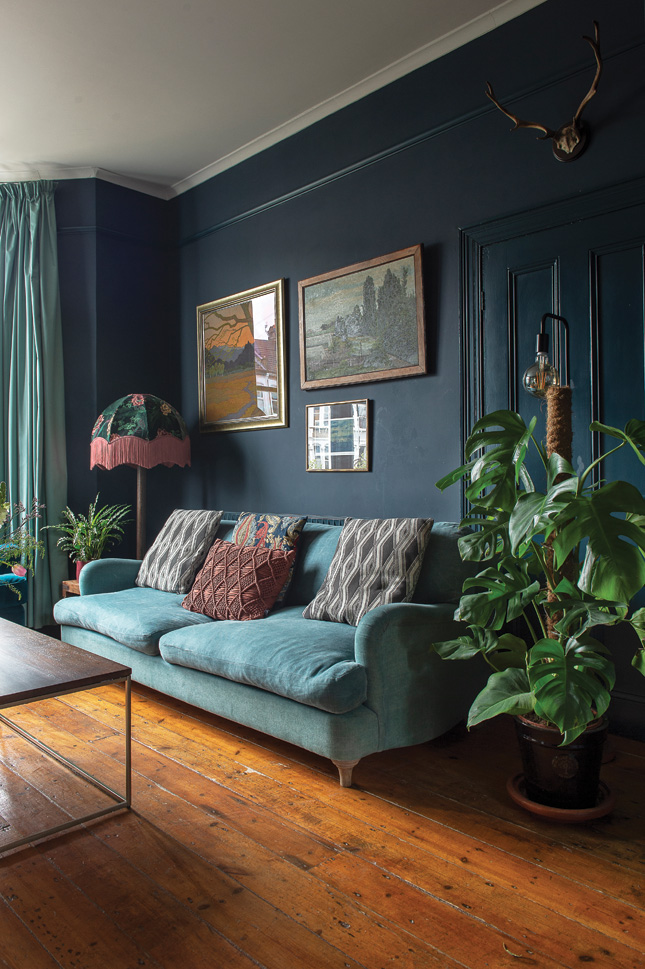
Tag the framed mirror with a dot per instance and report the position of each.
(338, 436)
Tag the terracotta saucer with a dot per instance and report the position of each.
(605, 804)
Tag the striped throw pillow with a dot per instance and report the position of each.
(376, 561)
(179, 550)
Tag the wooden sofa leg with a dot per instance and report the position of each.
(345, 768)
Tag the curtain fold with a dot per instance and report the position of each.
(32, 401)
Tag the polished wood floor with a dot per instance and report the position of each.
(243, 852)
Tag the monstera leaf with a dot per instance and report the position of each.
(614, 564)
(634, 435)
(495, 474)
(506, 591)
(570, 682)
(638, 623)
(503, 437)
(505, 692)
(501, 652)
(490, 538)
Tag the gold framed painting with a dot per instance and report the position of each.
(364, 322)
(338, 436)
(241, 360)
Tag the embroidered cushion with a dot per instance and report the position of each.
(376, 561)
(239, 581)
(179, 550)
(270, 531)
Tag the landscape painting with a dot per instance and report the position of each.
(240, 343)
(364, 322)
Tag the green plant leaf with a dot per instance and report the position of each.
(638, 624)
(501, 652)
(634, 435)
(505, 692)
(502, 438)
(488, 539)
(506, 591)
(454, 476)
(571, 683)
(583, 612)
(87, 537)
(614, 564)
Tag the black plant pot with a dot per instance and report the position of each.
(561, 777)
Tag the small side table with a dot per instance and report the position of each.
(69, 587)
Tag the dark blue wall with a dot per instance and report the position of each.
(409, 164)
(119, 301)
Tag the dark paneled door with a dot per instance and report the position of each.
(582, 259)
(591, 271)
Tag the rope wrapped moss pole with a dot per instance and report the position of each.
(559, 437)
(559, 433)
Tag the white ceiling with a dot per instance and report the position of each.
(162, 94)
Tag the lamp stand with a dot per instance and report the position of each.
(141, 512)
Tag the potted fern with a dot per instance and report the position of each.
(87, 537)
(559, 562)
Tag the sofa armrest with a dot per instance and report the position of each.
(108, 575)
(415, 694)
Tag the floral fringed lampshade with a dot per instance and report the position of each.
(142, 431)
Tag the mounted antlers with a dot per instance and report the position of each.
(570, 140)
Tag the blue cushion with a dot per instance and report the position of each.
(316, 548)
(135, 617)
(304, 660)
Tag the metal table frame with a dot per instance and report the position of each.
(121, 801)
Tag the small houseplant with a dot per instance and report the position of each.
(560, 562)
(87, 537)
(18, 546)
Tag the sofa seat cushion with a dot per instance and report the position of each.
(307, 661)
(134, 617)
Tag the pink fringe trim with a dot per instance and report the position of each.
(137, 453)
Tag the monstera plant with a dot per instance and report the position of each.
(558, 561)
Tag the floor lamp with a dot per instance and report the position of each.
(140, 431)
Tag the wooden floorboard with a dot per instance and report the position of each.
(243, 851)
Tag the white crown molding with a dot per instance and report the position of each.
(502, 13)
(59, 173)
(462, 35)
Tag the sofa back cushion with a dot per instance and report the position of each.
(440, 579)
(316, 549)
(443, 571)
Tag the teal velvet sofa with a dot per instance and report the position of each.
(340, 691)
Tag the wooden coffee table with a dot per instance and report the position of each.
(36, 667)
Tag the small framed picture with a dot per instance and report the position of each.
(364, 322)
(338, 436)
(241, 361)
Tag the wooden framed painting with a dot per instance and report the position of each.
(338, 436)
(364, 322)
(241, 360)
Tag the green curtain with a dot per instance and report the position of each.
(32, 402)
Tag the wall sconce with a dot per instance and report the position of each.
(542, 379)
(542, 374)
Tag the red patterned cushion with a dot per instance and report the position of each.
(238, 581)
